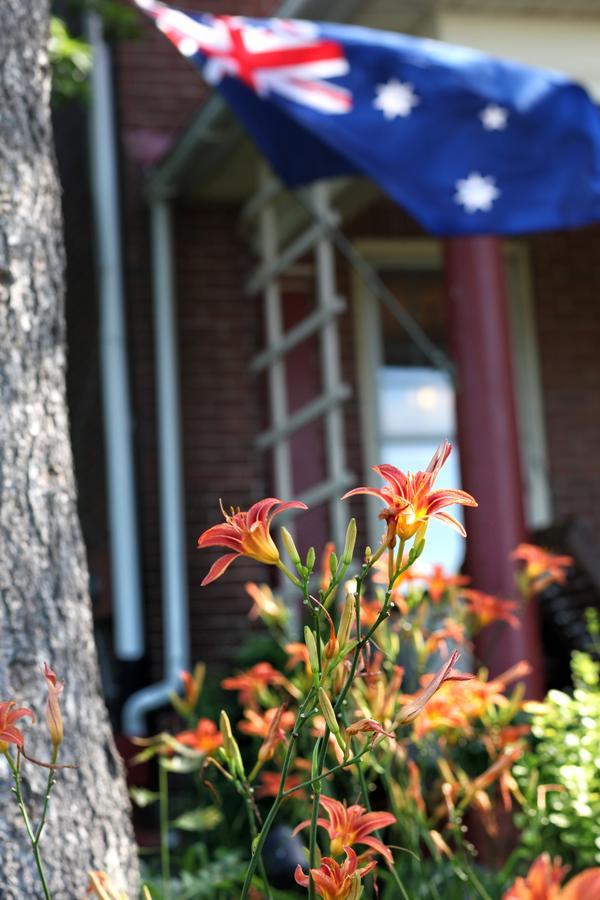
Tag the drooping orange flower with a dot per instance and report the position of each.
(9, 733)
(53, 715)
(431, 684)
(438, 581)
(266, 605)
(247, 534)
(487, 608)
(363, 726)
(349, 825)
(252, 683)
(543, 880)
(333, 881)
(541, 567)
(456, 707)
(410, 499)
(204, 738)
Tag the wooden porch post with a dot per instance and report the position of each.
(489, 440)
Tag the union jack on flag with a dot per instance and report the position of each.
(464, 142)
(282, 56)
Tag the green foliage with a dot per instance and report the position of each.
(71, 55)
(71, 60)
(565, 752)
(218, 879)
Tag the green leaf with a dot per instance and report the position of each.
(142, 797)
(201, 819)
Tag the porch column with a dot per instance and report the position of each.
(489, 442)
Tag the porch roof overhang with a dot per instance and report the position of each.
(213, 160)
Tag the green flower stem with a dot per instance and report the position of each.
(33, 838)
(245, 790)
(50, 784)
(312, 838)
(165, 855)
(283, 568)
(328, 772)
(258, 844)
(364, 789)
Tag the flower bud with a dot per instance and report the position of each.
(327, 710)
(333, 563)
(232, 751)
(53, 714)
(310, 559)
(311, 646)
(346, 620)
(288, 543)
(349, 543)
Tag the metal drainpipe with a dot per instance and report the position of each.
(174, 581)
(124, 549)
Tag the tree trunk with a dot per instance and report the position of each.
(45, 611)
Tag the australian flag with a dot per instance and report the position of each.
(464, 142)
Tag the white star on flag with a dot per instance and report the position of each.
(493, 117)
(476, 192)
(396, 98)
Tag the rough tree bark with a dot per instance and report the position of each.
(45, 611)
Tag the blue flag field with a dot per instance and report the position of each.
(466, 143)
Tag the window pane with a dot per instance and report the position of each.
(416, 403)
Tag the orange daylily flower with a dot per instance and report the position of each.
(102, 886)
(252, 683)
(487, 608)
(541, 567)
(266, 604)
(438, 582)
(414, 790)
(272, 780)
(192, 684)
(410, 499)
(369, 612)
(350, 825)
(333, 881)
(9, 733)
(53, 714)
(377, 693)
(297, 653)
(247, 534)
(259, 724)
(474, 791)
(204, 738)
(542, 882)
(451, 631)
(433, 683)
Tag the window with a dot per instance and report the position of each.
(408, 407)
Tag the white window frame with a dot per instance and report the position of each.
(425, 254)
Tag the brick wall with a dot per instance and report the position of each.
(566, 274)
(157, 93)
